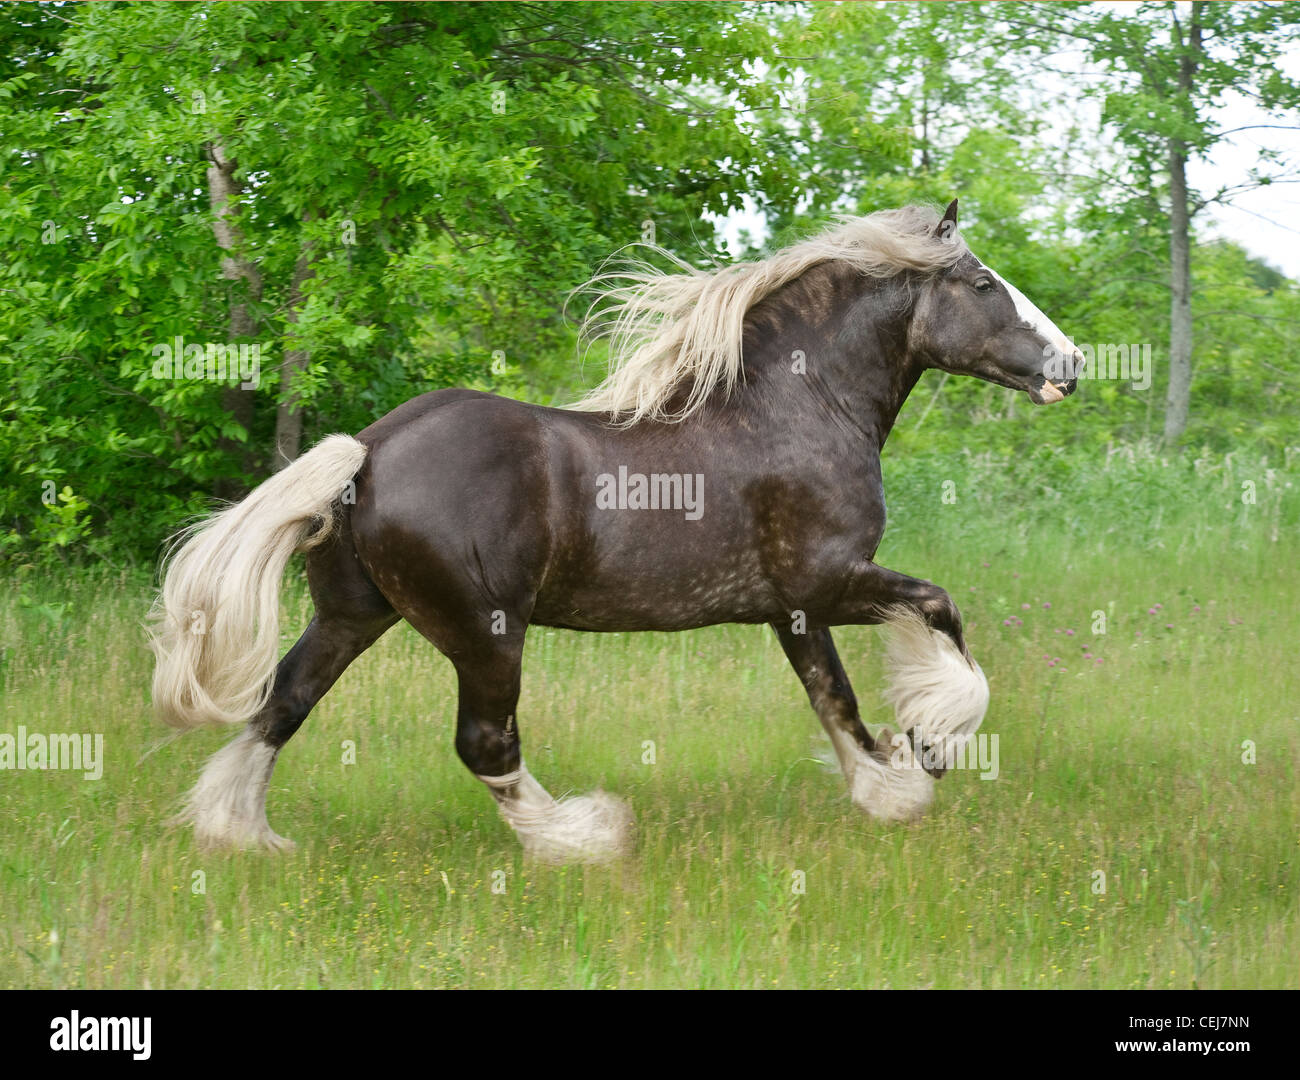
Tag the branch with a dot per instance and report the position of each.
(1253, 127)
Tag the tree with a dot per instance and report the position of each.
(385, 198)
(1172, 64)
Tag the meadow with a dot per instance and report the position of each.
(1141, 832)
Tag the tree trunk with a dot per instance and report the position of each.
(1178, 400)
(221, 197)
(288, 414)
(288, 417)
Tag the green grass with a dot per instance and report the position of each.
(1131, 767)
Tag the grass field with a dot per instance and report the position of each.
(1127, 764)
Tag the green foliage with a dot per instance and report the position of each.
(419, 187)
(1076, 221)
(441, 216)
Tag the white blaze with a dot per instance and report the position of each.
(1039, 322)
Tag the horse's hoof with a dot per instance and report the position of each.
(889, 792)
(236, 838)
(591, 828)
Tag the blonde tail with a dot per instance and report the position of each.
(216, 629)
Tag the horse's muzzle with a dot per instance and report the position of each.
(1046, 391)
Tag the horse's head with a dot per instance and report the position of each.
(970, 321)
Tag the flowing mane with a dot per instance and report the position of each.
(670, 330)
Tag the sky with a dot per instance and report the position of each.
(1266, 221)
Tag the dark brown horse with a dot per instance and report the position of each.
(728, 470)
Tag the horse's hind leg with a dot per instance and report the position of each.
(588, 828)
(881, 790)
(228, 804)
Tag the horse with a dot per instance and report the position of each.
(727, 470)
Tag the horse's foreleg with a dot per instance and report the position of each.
(588, 828)
(938, 691)
(881, 790)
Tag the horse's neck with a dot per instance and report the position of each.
(831, 349)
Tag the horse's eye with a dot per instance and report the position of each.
(984, 285)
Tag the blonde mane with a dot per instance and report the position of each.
(671, 330)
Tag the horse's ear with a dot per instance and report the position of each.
(947, 228)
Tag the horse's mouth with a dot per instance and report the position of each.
(1043, 391)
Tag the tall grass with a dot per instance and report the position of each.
(1127, 841)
